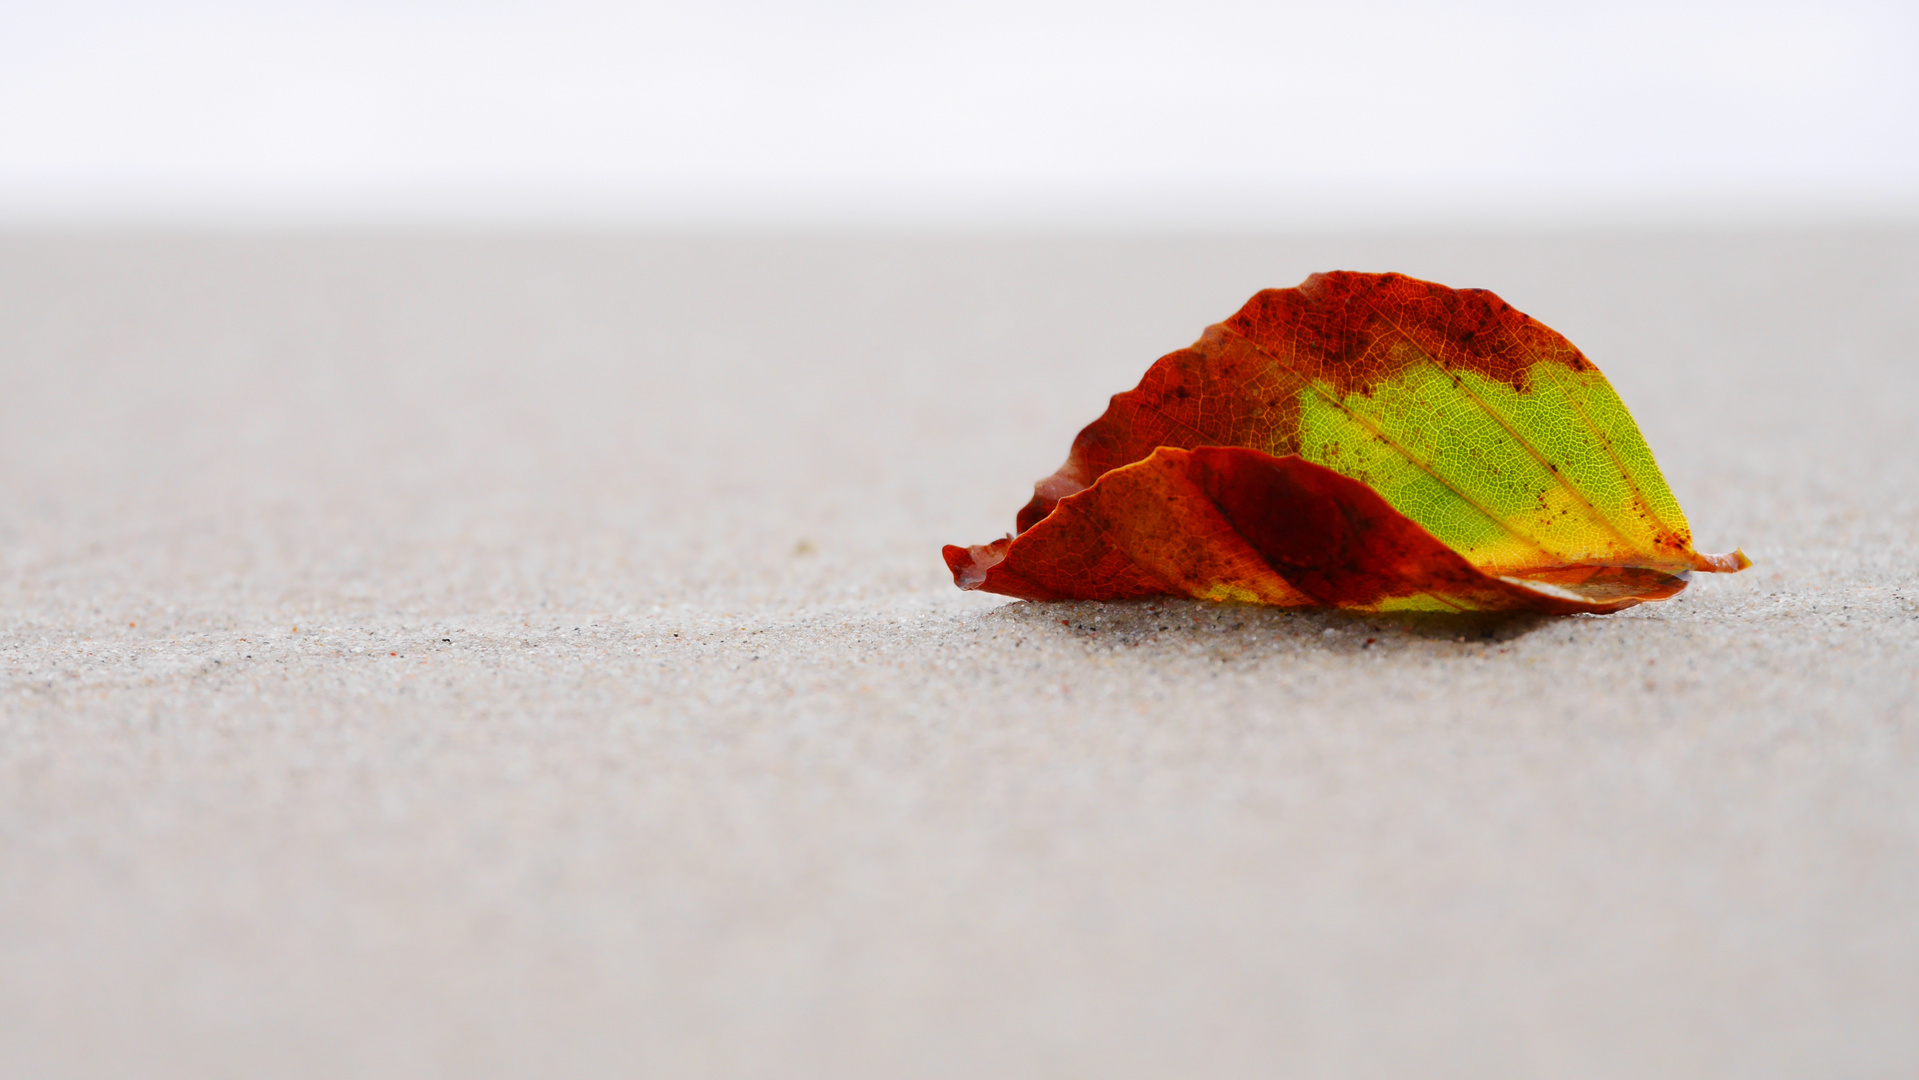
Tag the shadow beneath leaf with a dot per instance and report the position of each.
(1170, 620)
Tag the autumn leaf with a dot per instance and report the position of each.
(1364, 441)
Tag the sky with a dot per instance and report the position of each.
(850, 112)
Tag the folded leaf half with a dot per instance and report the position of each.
(1364, 441)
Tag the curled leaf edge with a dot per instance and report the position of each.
(974, 567)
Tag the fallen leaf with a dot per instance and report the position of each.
(1365, 441)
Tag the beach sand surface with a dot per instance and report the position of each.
(530, 655)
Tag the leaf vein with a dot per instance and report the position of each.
(1558, 477)
(1423, 466)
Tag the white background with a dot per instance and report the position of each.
(852, 112)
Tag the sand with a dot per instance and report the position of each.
(501, 656)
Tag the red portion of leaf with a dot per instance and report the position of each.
(1331, 538)
(1183, 522)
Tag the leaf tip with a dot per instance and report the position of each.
(1721, 564)
(970, 564)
